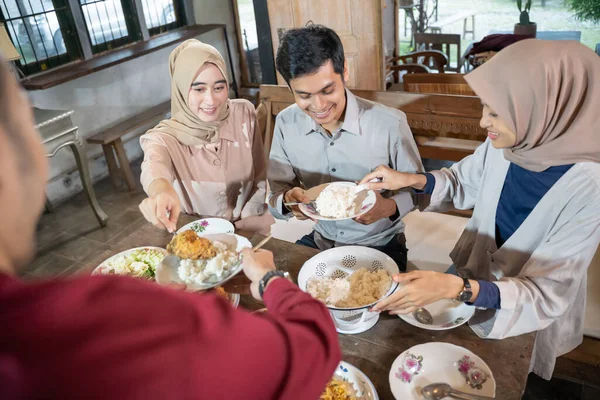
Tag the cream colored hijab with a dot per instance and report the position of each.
(548, 93)
(184, 124)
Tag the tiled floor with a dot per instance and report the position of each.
(70, 241)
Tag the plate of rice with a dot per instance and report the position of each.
(140, 262)
(340, 201)
(349, 383)
(201, 262)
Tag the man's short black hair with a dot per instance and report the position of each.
(303, 51)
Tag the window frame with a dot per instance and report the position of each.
(76, 37)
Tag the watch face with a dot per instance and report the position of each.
(465, 295)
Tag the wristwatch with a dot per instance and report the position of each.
(466, 293)
(265, 279)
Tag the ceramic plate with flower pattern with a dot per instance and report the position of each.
(433, 362)
(209, 226)
(447, 314)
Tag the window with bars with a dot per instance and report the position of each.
(45, 34)
(36, 28)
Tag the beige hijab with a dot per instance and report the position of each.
(548, 93)
(184, 124)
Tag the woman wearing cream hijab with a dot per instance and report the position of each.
(535, 188)
(208, 158)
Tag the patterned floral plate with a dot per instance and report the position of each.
(362, 384)
(435, 362)
(208, 226)
(447, 314)
(366, 201)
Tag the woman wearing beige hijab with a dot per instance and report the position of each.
(535, 188)
(208, 158)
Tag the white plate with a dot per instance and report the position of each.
(167, 274)
(366, 203)
(447, 314)
(209, 225)
(435, 362)
(362, 384)
(101, 268)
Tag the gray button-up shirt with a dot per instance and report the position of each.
(303, 154)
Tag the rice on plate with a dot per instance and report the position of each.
(199, 271)
(201, 262)
(338, 201)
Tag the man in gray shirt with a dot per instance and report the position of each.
(331, 135)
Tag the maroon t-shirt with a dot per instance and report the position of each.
(121, 338)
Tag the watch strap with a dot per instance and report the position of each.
(466, 293)
(262, 284)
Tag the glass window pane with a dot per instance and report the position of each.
(34, 29)
(250, 39)
(105, 20)
(159, 13)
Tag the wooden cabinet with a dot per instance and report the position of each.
(367, 28)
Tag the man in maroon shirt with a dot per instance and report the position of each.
(125, 339)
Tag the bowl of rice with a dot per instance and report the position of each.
(340, 201)
(139, 262)
(202, 263)
(350, 280)
(349, 383)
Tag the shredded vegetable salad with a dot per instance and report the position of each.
(139, 263)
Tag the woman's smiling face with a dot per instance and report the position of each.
(208, 93)
(500, 135)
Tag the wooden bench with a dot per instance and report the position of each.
(437, 26)
(454, 84)
(112, 143)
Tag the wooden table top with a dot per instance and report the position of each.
(375, 350)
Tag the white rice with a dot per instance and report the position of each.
(328, 290)
(337, 201)
(199, 271)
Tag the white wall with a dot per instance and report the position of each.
(113, 94)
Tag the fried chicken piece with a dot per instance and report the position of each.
(189, 245)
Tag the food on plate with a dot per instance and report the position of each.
(337, 201)
(202, 260)
(361, 288)
(339, 389)
(221, 292)
(189, 245)
(140, 263)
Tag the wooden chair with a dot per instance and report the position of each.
(441, 42)
(437, 84)
(430, 58)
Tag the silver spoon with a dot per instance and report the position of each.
(438, 391)
(423, 316)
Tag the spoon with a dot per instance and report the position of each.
(438, 391)
(423, 316)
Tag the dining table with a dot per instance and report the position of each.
(373, 351)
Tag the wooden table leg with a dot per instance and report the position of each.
(111, 163)
(124, 164)
(86, 181)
